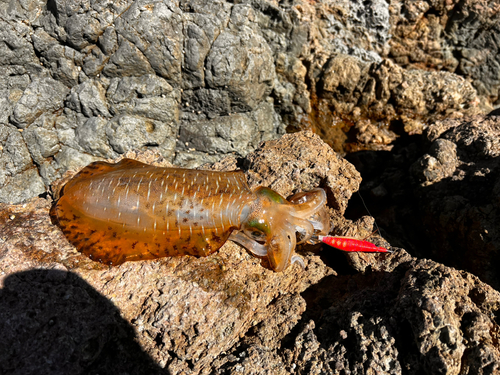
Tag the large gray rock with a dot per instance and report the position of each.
(63, 62)
(236, 133)
(15, 47)
(148, 96)
(16, 156)
(89, 81)
(333, 66)
(42, 139)
(91, 136)
(19, 179)
(88, 98)
(22, 186)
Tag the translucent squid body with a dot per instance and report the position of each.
(133, 211)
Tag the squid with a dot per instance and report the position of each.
(132, 211)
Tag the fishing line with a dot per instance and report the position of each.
(367, 210)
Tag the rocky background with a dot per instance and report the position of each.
(197, 80)
(401, 87)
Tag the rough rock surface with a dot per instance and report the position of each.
(175, 305)
(87, 80)
(439, 197)
(83, 81)
(91, 80)
(62, 313)
(410, 317)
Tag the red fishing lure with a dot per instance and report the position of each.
(352, 245)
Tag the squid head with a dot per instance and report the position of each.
(272, 226)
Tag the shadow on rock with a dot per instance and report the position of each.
(460, 219)
(53, 322)
(438, 197)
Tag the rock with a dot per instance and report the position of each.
(147, 96)
(203, 26)
(126, 61)
(126, 133)
(64, 62)
(82, 30)
(28, 10)
(292, 164)
(171, 301)
(15, 49)
(22, 186)
(341, 76)
(88, 74)
(440, 196)
(194, 159)
(16, 156)
(236, 133)
(19, 180)
(410, 318)
(438, 164)
(210, 102)
(384, 91)
(126, 89)
(91, 136)
(225, 135)
(460, 210)
(469, 48)
(359, 74)
(415, 324)
(227, 313)
(142, 49)
(42, 95)
(70, 311)
(88, 98)
(43, 143)
(242, 62)
(68, 158)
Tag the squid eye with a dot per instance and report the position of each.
(257, 229)
(256, 234)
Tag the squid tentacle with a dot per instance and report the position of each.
(304, 227)
(270, 223)
(282, 247)
(308, 203)
(298, 259)
(251, 245)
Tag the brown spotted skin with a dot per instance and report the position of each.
(133, 211)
